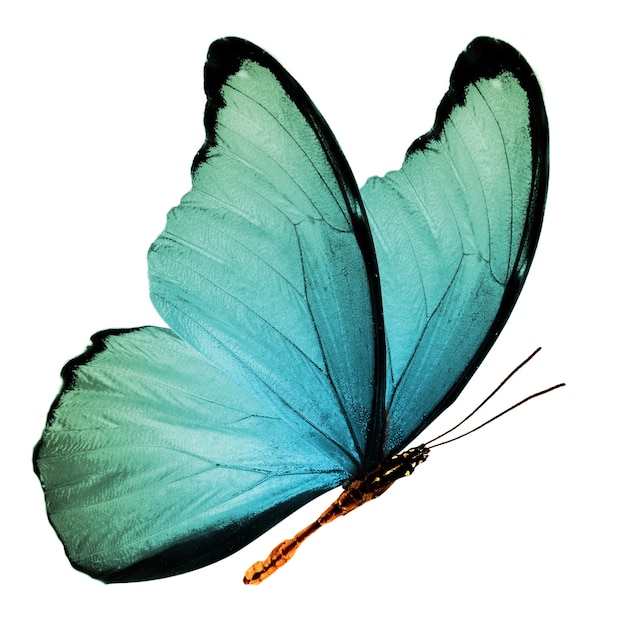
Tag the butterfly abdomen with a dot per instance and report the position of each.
(358, 492)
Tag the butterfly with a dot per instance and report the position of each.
(315, 329)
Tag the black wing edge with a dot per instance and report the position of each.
(205, 547)
(486, 58)
(225, 58)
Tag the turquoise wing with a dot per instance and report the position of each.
(154, 462)
(167, 451)
(259, 268)
(455, 230)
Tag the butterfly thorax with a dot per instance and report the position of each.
(376, 482)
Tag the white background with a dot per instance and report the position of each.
(101, 115)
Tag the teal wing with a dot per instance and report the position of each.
(166, 451)
(259, 267)
(154, 462)
(455, 230)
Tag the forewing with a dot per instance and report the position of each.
(259, 267)
(154, 463)
(455, 231)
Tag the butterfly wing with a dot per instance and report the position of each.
(154, 462)
(159, 457)
(455, 231)
(259, 268)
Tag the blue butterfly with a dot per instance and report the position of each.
(316, 329)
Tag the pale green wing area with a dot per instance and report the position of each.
(154, 463)
(259, 268)
(455, 230)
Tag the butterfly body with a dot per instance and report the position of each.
(316, 329)
(355, 494)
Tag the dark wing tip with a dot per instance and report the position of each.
(485, 58)
(225, 58)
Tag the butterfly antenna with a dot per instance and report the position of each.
(530, 397)
(493, 393)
